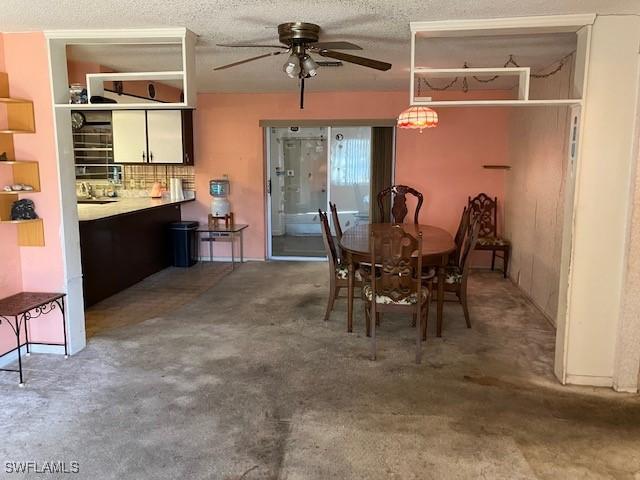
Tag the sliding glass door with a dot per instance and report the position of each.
(308, 167)
(298, 185)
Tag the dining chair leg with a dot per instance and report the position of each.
(373, 337)
(350, 295)
(440, 306)
(506, 261)
(414, 319)
(426, 320)
(333, 293)
(367, 319)
(419, 335)
(493, 259)
(378, 318)
(465, 307)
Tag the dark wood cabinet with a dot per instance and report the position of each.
(188, 152)
(120, 251)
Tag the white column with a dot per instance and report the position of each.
(588, 333)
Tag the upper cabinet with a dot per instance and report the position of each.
(129, 136)
(153, 136)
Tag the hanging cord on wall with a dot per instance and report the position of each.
(510, 62)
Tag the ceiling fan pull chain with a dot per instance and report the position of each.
(302, 93)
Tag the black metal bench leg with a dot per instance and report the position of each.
(21, 384)
(64, 327)
(26, 333)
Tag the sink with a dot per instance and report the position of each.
(95, 201)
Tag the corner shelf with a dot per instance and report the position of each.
(20, 120)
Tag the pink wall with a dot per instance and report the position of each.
(445, 163)
(11, 271)
(39, 268)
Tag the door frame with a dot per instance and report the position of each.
(268, 187)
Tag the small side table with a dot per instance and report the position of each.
(24, 307)
(221, 233)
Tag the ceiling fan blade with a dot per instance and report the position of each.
(337, 46)
(247, 60)
(365, 62)
(249, 45)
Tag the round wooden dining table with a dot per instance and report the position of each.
(437, 245)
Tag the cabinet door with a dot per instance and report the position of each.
(164, 130)
(129, 136)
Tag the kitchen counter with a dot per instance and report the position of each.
(124, 242)
(124, 206)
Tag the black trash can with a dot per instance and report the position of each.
(184, 243)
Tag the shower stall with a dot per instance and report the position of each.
(308, 167)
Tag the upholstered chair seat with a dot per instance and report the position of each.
(342, 273)
(492, 241)
(388, 300)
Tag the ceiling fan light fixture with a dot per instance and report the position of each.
(292, 66)
(418, 117)
(309, 66)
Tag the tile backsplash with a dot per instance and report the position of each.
(137, 180)
(142, 177)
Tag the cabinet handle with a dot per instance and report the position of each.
(151, 156)
(186, 158)
(144, 157)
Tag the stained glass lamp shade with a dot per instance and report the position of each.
(418, 117)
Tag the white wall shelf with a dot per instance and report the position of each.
(522, 73)
(496, 27)
(498, 103)
(59, 39)
(95, 81)
(123, 106)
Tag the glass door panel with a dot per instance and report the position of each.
(298, 182)
(350, 176)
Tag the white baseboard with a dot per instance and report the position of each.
(589, 380)
(625, 388)
(54, 349)
(12, 357)
(228, 259)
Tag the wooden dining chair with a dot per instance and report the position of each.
(338, 271)
(485, 209)
(456, 276)
(336, 220)
(399, 203)
(461, 233)
(397, 286)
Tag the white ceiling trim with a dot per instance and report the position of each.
(504, 26)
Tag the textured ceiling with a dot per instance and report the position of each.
(381, 27)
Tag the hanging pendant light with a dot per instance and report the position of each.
(418, 117)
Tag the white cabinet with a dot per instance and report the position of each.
(153, 136)
(129, 136)
(164, 133)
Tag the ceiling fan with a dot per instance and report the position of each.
(298, 40)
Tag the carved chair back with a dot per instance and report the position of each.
(486, 210)
(400, 257)
(336, 220)
(327, 238)
(399, 205)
